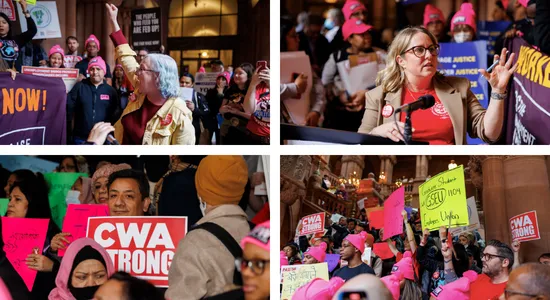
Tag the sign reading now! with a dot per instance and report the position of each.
(312, 224)
(525, 227)
(141, 246)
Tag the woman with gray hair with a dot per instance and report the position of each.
(158, 116)
(411, 72)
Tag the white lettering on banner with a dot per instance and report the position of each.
(133, 234)
(521, 135)
(99, 232)
(159, 237)
(23, 142)
(142, 261)
(522, 227)
(312, 223)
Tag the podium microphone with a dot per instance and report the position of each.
(424, 102)
(111, 139)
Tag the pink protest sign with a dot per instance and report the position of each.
(393, 206)
(76, 220)
(382, 250)
(376, 219)
(21, 236)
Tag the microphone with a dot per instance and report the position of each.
(423, 102)
(111, 139)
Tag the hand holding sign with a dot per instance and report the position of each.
(60, 241)
(39, 262)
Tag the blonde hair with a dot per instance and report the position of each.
(393, 76)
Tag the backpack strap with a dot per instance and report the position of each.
(228, 241)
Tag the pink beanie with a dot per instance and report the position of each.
(357, 240)
(57, 49)
(352, 6)
(202, 70)
(392, 282)
(107, 170)
(259, 236)
(523, 2)
(405, 266)
(466, 15)
(459, 289)
(318, 289)
(318, 252)
(225, 75)
(97, 62)
(284, 259)
(92, 38)
(432, 14)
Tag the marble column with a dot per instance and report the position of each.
(352, 163)
(494, 199)
(526, 188)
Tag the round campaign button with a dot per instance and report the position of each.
(387, 111)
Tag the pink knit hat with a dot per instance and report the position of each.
(97, 62)
(318, 252)
(392, 282)
(405, 266)
(225, 75)
(354, 26)
(92, 38)
(284, 259)
(357, 240)
(459, 289)
(259, 236)
(57, 49)
(107, 170)
(318, 289)
(523, 2)
(466, 15)
(352, 6)
(432, 14)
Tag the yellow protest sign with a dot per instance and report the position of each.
(298, 275)
(441, 196)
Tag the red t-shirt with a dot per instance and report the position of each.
(135, 123)
(432, 125)
(259, 120)
(483, 289)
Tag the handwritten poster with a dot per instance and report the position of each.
(295, 278)
(3, 206)
(60, 184)
(76, 220)
(21, 236)
(312, 224)
(441, 195)
(393, 206)
(525, 227)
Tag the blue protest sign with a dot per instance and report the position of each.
(464, 60)
(490, 31)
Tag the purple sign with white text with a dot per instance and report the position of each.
(528, 111)
(32, 110)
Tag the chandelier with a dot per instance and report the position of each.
(352, 179)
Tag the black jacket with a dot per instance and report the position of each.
(90, 104)
(7, 49)
(322, 49)
(200, 113)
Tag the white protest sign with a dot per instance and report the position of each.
(44, 14)
(473, 217)
(205, 81)
(292, 65)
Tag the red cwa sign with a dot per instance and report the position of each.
(141, 246)
(525, 227)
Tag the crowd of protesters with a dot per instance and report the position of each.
(230, 261)
(407, 58)
(141, 98)
(424, 265)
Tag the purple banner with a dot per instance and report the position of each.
(528, 112)
(33, 110)
(332, 260)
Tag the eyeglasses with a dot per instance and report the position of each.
(489, 256)
(508, 293)
(256, 266)
(420, 51)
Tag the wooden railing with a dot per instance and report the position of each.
(330, 203)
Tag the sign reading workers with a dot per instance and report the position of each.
(146, 29)
(525, 227)
(141, 246)
(312, 224)
(443, 198)
(32, 110)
